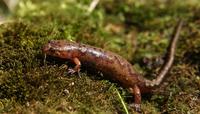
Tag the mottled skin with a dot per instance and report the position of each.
(111, 64)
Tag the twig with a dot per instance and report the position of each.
(93, 4)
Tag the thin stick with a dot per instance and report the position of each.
(44, 61)
(92, 6)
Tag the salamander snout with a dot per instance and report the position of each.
(53, 48)
(46, 48)
(49, 46)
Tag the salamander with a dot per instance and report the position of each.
(111, 64)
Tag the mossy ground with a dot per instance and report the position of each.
(133, 29)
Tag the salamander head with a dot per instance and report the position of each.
(55, 48)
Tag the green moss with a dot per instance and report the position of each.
(133, 29)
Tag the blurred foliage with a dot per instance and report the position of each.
(136, 30)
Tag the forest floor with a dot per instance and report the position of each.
(137, 30)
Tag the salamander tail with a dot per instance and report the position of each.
(169, 57)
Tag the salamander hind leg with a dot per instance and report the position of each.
(137, 98)
(76, 68)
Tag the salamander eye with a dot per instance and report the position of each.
(51, 41)
(52, 50)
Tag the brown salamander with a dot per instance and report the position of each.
(111, 64)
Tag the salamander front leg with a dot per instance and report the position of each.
(76, 68)
(137, 97)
